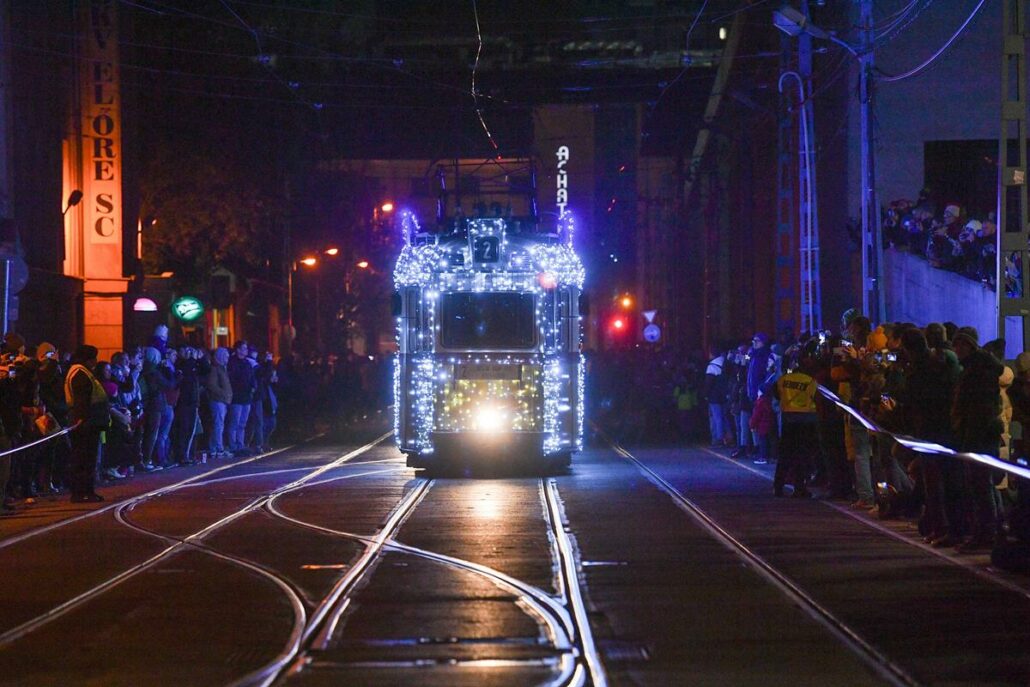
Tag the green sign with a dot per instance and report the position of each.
(188, 308)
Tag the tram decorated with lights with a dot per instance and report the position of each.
(489, 336)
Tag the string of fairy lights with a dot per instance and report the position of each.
(440, 390)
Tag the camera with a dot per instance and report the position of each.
(846, 343)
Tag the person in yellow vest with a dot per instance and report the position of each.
(89, 406)
(796, 391)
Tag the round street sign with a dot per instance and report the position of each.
(188, 308)
(652, 333)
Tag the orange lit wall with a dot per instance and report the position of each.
(93, 164)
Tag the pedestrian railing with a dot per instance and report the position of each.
(37, 442)
(1019, 467)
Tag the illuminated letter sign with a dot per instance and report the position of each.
(102, 144)
(562, 197)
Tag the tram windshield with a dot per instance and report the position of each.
(486, 321)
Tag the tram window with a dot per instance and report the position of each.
(484, 321)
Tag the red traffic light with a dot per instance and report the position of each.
(618, 324)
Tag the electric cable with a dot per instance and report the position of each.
(940, 51)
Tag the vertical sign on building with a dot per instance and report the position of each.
(102, 144)
(562, 196)
(93, 161)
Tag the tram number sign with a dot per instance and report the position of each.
(652, 333)
(486, 249)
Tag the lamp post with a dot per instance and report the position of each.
(307, 261)
(795, 23)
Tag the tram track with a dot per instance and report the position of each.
(562, 617)
(175, 545)
(881, 664)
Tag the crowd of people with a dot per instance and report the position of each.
(156, 407)
(937, 383)
(949, 239)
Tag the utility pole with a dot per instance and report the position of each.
(811, 291)
(1013, 231)
(873, 300)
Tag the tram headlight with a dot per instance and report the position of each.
(491, 419)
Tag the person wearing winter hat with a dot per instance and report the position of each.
(965, 342)
(14, 344)
(846, 318)
(877, 340)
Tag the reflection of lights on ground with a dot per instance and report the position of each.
(484, 501)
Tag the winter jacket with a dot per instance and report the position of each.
(762, 416)
(242, 379)
(217, 384)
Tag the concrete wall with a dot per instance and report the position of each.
(919, 293)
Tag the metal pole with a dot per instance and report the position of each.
(873, 297)
(289, 296)
(7, 294)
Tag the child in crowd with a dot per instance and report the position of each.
(762, 418)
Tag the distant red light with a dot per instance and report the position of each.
(618, 324)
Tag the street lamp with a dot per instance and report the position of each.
(386, 207)
(332, 251)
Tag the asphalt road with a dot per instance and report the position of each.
(332, 563)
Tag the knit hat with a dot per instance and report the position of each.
(877, 340)
(974, 225)
(85, 353)
(44, 349)
(952, 210)
(969, 335)
(848, 316)
(1023, 362)
(13, 342)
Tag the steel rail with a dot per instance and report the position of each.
(964, 563)
(293, 594)
(567, 561)
(29, 534)
(318, 630)
(550, 613)
(61, 609)
(879, 662)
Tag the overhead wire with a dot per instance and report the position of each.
(475, 66)
(889, 78)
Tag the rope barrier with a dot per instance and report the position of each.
(928, 447)
(37, 442)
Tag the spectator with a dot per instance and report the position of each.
(740, 403)
(715, 390)
(89, 406)
(976, 422)
(219, 394)
(796, 391)
(244, 384)
(155, 380)
(761, 423)
(192, 367)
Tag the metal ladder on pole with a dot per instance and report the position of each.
(786, 199)
(810, 290)
(1013, 243)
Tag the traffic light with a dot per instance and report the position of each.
(626, 301)
(618, 323)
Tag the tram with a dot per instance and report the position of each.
(489, 366)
